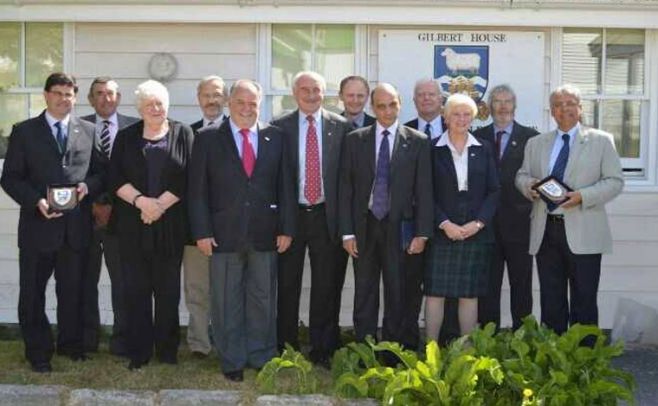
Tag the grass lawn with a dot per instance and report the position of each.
(105, 371)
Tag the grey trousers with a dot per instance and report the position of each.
(243, 307)
(196, 283)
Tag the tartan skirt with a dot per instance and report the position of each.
(458, 269)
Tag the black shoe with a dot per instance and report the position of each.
(134, 366)
(79, 357)
(235, 376)
(42, 367)
(199, 355)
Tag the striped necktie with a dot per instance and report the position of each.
(106, 144)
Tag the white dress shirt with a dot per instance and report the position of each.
(460, 160)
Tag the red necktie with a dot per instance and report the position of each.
(248, 156)
(312, 186)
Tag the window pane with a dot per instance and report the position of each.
(13, 108)
(590, 115)
(10, 42)
(334, 53)
(283, 104)
(291, 53)
(621, 118)
(43, 51)
(37, 104)
(624, 66)
(581, 59)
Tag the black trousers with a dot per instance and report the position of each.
(35, 270)
(519, 273)
(402, 275)
(152, 277)
(341, 259)
(105, 245)
(312, 232)
(560, 269)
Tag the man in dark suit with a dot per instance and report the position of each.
(53, 148)
(104, 97)
(429, 104)
(386, 218)
(354, 92)
(241, 210)
(512, 219)
(196, 266)
(314, 137)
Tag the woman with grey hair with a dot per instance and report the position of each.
(466, 192)
(148, 175)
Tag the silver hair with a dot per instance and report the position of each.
(567, 90)
(459, 99)
(151, 89)
(428, 80)
(246, 82)
(313, 75)
(504, 88)
(208, 79)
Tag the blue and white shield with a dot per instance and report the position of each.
(462, 69)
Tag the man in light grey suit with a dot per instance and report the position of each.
(104, 97)
(568, 239)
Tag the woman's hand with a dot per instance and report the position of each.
(453, 231)
(150, 208)
(471, 228)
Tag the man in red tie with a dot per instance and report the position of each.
(314, 136)
(242, 213)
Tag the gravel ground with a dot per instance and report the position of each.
(642, 361)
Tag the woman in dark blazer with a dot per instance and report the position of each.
(466, 192)
(148, 174)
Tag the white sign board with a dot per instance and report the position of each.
(471, 61)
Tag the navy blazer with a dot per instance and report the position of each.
(238, 211)
(483, 188)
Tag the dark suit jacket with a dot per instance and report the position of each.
(513, 215)
(128, 165)
(410, 183)
(414, 124)
(368, 120)
(33, 162)
(334, 129)
(197, 125)
(236, 210)
(483, 188)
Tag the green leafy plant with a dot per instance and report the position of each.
(289, 373)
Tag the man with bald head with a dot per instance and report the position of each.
(386, 218)
(241, 210)
(429, 104)
(314, 137)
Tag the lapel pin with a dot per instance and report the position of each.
(267, 138)
(472, 154)
(514, 143)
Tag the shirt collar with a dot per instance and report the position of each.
(236, 130)
(436, 123)
(573, 132)
(219, 119)
(112, 119)
(317, 116)
(52, 120)
(507, 129)
(445, 141)
(392, 129)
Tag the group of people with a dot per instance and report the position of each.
(428, 206)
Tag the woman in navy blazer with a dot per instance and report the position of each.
(466, 192)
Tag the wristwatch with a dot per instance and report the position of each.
(479, 224)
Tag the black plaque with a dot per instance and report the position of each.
(62, 197)
(552, 190)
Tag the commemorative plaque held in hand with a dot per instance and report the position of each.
(552, 190)
(62, 197)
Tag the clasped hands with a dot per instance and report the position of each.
(456, 232)
(151, 209)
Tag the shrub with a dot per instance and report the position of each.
(289, 373)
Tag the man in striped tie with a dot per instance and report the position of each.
(104, 97)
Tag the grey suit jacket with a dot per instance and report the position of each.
(334, 130)
(122, 121)
(594, 170)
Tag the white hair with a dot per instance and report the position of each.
(313, 75)
(151, 89)
(208, 79)
(459, 99)
(565, 90)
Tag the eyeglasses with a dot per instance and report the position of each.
(566, 104)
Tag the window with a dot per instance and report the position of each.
(29, 52)
(608, 65)
(326, 49)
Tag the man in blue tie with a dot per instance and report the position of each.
(385, 187)
(568, 239)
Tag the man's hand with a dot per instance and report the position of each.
(532, 192)
(150, 208)
(205, 245)
(454, 232)
(575, 198)
(83, 191)
(350, 246)
(101, 213)
(42, 204)
(416, 246)
(283, 243)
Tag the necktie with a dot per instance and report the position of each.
(498, 142)
(428, 130)
(355, 125)
(105, 138)
(210, 123)
(312, 185)
(560, 164)
(61, 137)
(248, 156)
(380, 190)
